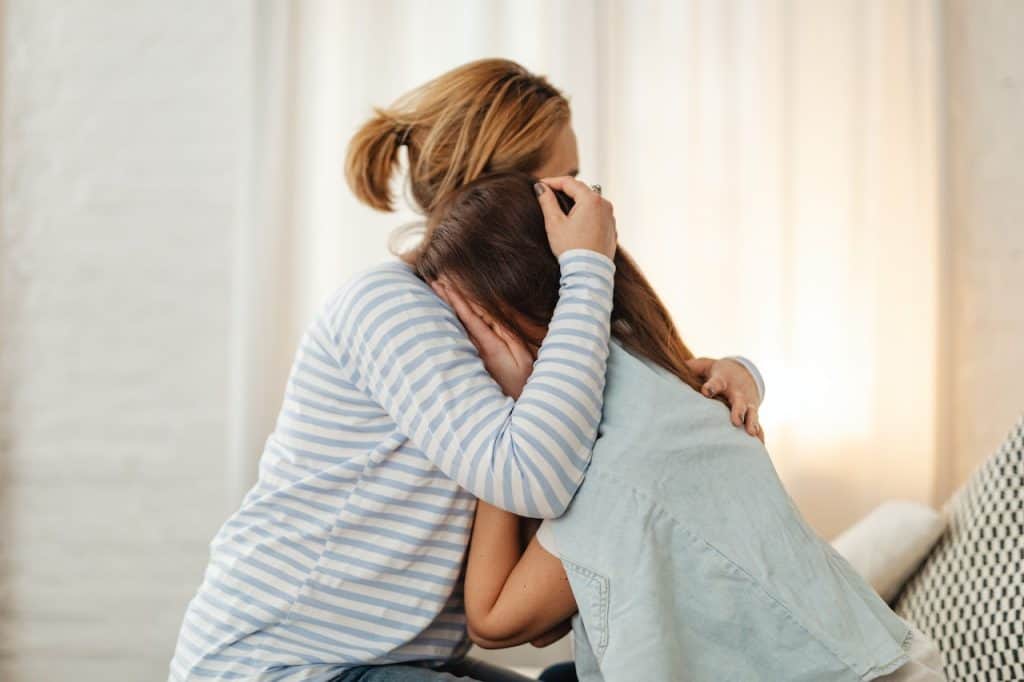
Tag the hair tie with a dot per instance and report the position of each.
(403, 136)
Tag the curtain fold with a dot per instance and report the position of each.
(774, 169)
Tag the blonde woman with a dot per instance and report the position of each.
(344, 562)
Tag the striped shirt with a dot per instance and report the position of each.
(349, 549)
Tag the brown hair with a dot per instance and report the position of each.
(490, 115)
(489, 240)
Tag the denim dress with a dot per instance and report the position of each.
(690, 562)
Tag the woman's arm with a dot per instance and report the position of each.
(408, 352)
(512, 596)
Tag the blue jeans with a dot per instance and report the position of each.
(560, 672)
(466, 669)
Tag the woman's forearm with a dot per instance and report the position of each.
(409, 353)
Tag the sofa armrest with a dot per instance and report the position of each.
(887, 545)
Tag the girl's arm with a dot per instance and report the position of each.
(512, 596)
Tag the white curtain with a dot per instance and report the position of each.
(774, 168)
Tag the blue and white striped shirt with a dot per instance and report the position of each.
(349, 549)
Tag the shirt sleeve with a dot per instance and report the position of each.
(408, 351)
(752, 368)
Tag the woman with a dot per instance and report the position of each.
(344, 561)
(682, 551)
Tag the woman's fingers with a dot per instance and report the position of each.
(743, 410)
(738, 412)
(713, 386)
(744, 414)
(751, 421)
(589, 225)
(548, 205)
(571, 186)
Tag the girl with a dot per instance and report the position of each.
(682, 551)
(345, 559)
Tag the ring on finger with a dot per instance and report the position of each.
(596, 189)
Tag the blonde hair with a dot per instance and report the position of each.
(490, 115)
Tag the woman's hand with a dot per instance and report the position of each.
(732, 381)
(506, 358)
(589, 225)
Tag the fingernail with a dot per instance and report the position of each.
(539, 188)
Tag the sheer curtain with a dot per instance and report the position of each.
(774, 168)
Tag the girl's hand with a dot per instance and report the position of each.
(732, 381)
(589, 225)
(506, 358)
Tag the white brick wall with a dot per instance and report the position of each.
(120, 141)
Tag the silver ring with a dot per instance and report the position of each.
(596, 188)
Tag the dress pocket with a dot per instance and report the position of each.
(591, 590)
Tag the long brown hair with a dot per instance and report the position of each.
(489, 239)
(490, 115)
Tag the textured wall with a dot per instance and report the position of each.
(985, 229)
(121, 128)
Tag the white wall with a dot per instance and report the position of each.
(121, 131)
(985, 230)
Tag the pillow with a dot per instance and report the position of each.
(969, 594)
(888, 544)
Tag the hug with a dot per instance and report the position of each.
(513, 365)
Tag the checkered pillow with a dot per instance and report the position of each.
(969, 593)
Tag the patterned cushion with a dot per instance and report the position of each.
(969, 593)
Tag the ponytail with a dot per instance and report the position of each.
(487, 116)
(372, 160)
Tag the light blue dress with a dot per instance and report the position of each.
(690, 562)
